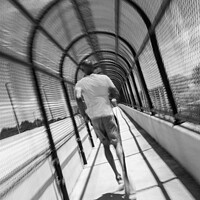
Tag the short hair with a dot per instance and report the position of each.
(87, 66)
(86, 63)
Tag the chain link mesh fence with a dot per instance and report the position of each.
(25, 144)
(178, 37)
(23, 133)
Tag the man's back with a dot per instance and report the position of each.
(95, 92)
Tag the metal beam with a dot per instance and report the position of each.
(113, 61)
(129, 85)
(115, 68)
(66, 29)
(84, 25)
(78, 38)
(110, 52)
(47, 71)
(117, 25)
(151, 27)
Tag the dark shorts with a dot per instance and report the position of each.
(107, 129)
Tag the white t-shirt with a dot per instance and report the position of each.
(95, 93)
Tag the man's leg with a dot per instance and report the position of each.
(120, 154)
(99, 130)
(111, 161)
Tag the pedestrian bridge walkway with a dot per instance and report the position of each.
(149, 49)
(155, 174)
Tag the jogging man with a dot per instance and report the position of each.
(98, 91)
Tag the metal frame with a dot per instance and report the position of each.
(151, 35)
(85, 28)
(119, 78)
(117, 26)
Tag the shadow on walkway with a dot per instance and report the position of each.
(111, 196)
(181, 174)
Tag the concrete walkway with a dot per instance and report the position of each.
(155, 174)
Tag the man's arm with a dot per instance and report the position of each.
(112, 90)
(81, 104)
(113, 95)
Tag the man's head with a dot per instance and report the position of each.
(87, 67)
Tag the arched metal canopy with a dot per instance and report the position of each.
(100, 30)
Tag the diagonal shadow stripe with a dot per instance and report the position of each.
(88, 177)
(160, 185)
(181, 174)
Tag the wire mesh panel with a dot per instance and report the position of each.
(19, 95)
(28, 147)
(134, 92)
(153, 80)
(46, 53)
(78, 51)
(41, 46)
(125, 51)
(178, 37)
(14, 30)
(20, 118)
(34, 7)
(105, 9)
(25, 148)
(70, 90)
(133, 30)
(140, 89)
(69, 69)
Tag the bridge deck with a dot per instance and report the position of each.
(156, 175)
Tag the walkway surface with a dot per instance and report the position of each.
(155, 174)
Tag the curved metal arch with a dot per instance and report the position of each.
(84, 35)
(133, 4)
(41, 17)
(116, 82)
(115, 68)
(116, 78)
(142, 15)
(111, 52)
(116, 73)
(126, 79)
(113, 63)
(141, 12)
(121, 83)
(87, 56)
(103, 33)
(54, 3)
(35, 28)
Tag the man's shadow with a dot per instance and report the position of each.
(111, 196)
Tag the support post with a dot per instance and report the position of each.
(136, 90)
(163, 73)
(13, 108)
(144, 86)
(54, 156)
(131, 93)
(89, 133)
(78, 139)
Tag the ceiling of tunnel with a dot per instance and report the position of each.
(108, 32)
